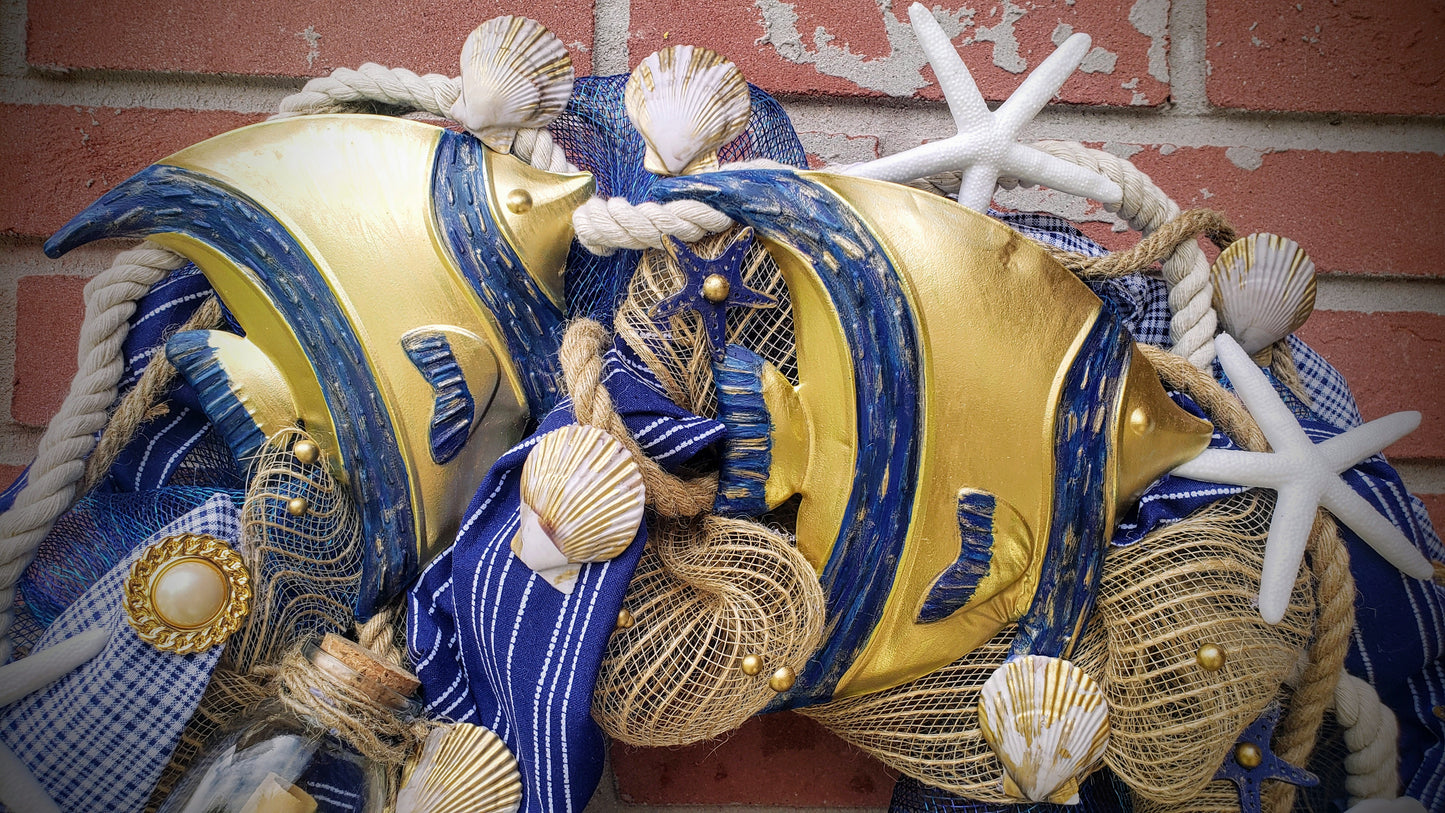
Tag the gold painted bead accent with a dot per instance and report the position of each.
(751, 665)
(782, 680)
(1248, 755)
(625, 619)
(1440, 712)
(306, 451)
(187, 593)
(296, 506)
(1210, 657)
(716, 288)
(519, 201)
(1140, 421)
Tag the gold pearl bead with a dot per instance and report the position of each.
(519, 201)
(1248, 755)
(296, 506)
(782, 680)
(1210, 657)
(716, 288)
(751, 665)
(306, 451)
(1440, 712)
(625, 619)
(189, 593)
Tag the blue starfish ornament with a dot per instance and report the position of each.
(1251, 762)
(711, 286)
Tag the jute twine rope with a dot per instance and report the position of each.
(581, 360)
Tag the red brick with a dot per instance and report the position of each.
(780, 759)
(8, 474)
(295, 38)
(1354, 212)
(737, 30)
(1393, 361)
(1435, 504)
(49, 311)
(1364, 56)
(60, 159)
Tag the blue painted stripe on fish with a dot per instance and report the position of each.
(748, 446)
(453, 409)
(876, 319)
(163, 199)
(191, 352)
(956, 585)
(1083, 424)
(531, 325)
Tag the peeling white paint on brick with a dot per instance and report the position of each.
(840, 148)
(1151, 18)
(313, 44)
(1005, 44)
(1245, 157)
(1069, 207)
(1121, 150)
(1098, 60)
(899, 73)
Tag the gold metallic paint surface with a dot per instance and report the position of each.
(385, 261)
(824, 412)
(1151, 436)
(541, 230)
(998, 322)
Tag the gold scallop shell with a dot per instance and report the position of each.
(582, 500)
(515, 75)
(687, 102)
(462, 768)
(1264, 289)
(1048, 722)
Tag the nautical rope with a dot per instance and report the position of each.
(581, 359)
(1371, 732)
(603, 226)
(1165, 240)
(136, 407)
(361, 90)
(110, 300)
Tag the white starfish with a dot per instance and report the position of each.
(1305, 475)
(986, 147)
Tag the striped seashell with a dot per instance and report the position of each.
(687, 102)
(515, 75)
(462, 768)
(1264, 289)
(582, 499)
(1048, 722)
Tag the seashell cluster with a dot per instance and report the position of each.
(582, 500)
(1048, 722)
(463, 768)
(1264, 289)
(515, 75)
(687, 102)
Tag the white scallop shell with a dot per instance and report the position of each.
(515, 74)
(687, 102)
(1048, 722)
(462, 768)
(582, 500)
(1264, 289)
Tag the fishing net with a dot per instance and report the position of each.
(1171, 721)
(305, 564)
(707, 593)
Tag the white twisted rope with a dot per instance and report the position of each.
(1145, 208)
(110, 299)
(346, 89)
(603, 226)
(1371, 732)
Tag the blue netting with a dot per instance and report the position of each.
(1102, 792)
(596, 135)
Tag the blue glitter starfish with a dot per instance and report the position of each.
(1253, 747)
(711, 286)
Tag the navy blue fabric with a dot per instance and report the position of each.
(495, 645)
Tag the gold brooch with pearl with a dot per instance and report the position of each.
(187, 593)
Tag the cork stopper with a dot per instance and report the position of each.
(364, 670)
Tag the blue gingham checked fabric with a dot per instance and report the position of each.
(495, 645)
(97, 739)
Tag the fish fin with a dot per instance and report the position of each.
(791, 438)
(748, 449)
(241, 391)
(994, 551)
(454, 411)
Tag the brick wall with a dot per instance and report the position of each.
(1318, 119)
